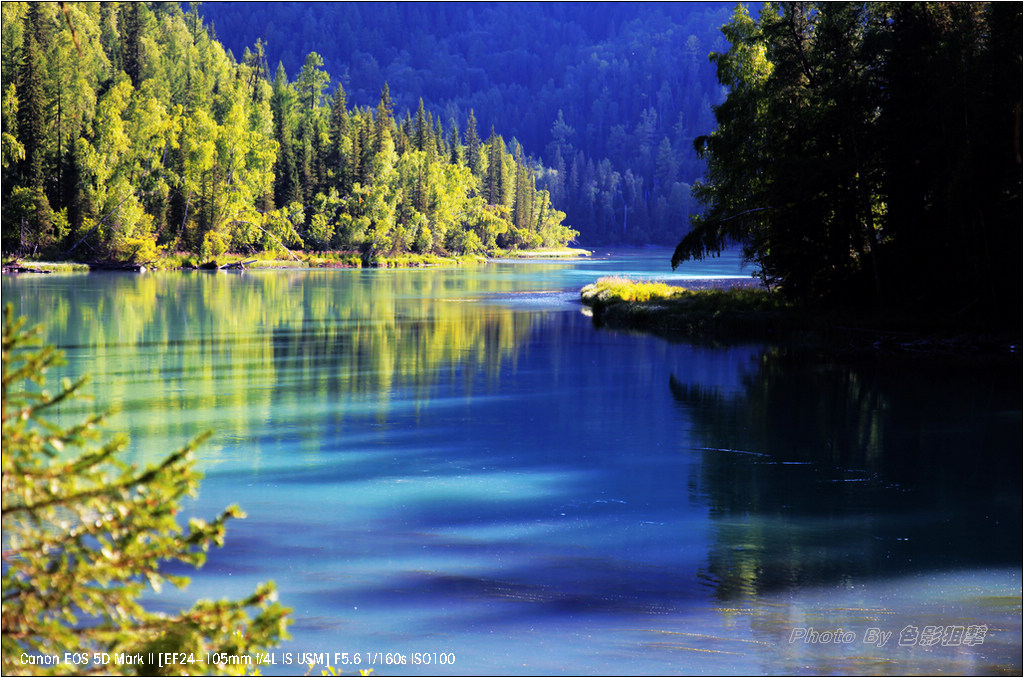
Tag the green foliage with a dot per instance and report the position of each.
(615, 289)
(736, 312)
(847, 155)
(598, 89)
(84, 534)
(161, 141)
(27, 219)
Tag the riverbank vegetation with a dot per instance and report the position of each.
(709, 312)
(741, 311)
(86, 534)
(129, 133)
(868, 158)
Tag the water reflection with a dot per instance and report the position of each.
(181, 352)
(458, 461)
(820, 472)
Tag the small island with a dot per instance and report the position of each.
(671, 310)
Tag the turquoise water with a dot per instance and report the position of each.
(457, 462)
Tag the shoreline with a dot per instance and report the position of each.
(717, 311)
(303, 260)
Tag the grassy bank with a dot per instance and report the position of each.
(549, 253)
(752, 313)
(263, 260)
(169, 261)
(328, 260)
(746, 312)
(43, 267)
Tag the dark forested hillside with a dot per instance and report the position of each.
(608, 95)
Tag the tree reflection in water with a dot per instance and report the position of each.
(828, 471)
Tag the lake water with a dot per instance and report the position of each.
(456, 462)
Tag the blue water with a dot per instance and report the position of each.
(456, 461)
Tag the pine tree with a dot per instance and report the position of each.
(32, 207)
(258, 68)
(338, 130)
(367, 145)
(312, 81)
(31, 117)
(110, 35)
(456, 157)
(420, 130)
(286, 181)
(520, 212)
(131, 41)
(383, 121)
(473, 153)
(497, 180)
(440, 146)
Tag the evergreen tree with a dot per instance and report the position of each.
(457, 154)
(440, 146)
(312, 81)
(131, 27)
(258, 68)
(31, 209)
(286, 178)
(497, 188)
(31, 117)
(383, 122)
(420, 130)
(474, 156)
(110, 35)
(522, 200)
(338, 129)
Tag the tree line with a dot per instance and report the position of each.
(609, 95)
(870, 153)
(129, 130)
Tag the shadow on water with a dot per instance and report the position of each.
(825, 472)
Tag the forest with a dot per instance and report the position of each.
(868, 155)
(608, 96)
(130, 132)
(861, 153)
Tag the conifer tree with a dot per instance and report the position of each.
(846, 158)
(338, 131)
(286, 174)
(312, 81)
(110, 35)
(440, 145)
(421, 131)
(31, 133)
(131, 40)
(456, 157)
(497, 189)
(383, 121)
(473, 153)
